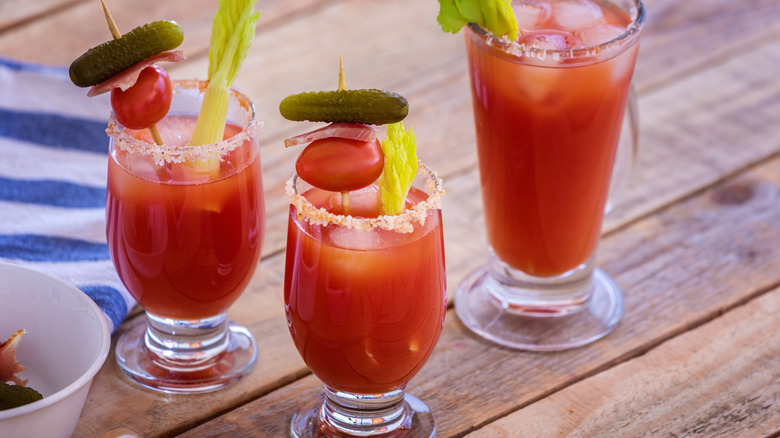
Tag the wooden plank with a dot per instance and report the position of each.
(720, 379)
(679, 268)
(17, 13)
(703, 128)
(685, 34)
(84, 25)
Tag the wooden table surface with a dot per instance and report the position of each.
(694, 244)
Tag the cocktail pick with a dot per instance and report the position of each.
(116, 34)
(343, 86)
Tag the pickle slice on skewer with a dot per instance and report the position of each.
(102, 62)
(367, 106)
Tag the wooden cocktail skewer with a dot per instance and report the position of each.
(342, 87)
(111, 23)
(342, 80)
(116, 34)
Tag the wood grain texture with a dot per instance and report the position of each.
(689, 33)
(686, 387)
(71, 27)
(703, 129)
(15, 13)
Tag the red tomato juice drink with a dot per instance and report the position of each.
(185, 227)
(184, 243)
(548, 110)
(365, 295)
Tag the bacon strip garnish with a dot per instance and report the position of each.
(350, 131)
(8, 364)
(127, 77)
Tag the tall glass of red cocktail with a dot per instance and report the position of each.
(548, 111)
(365, 297)
(185, 226)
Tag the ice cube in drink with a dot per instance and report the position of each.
(574, 15)
(599, 34)
(548, 39)
(531, 14)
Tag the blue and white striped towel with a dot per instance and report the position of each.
(53, 152)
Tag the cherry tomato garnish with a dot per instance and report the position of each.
(146, 102)
(339, 164)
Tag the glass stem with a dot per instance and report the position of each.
(365, 415)
(180, 343)
(523, 294)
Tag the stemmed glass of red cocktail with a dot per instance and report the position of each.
(548, 111)
(185, 226)
(365, 297)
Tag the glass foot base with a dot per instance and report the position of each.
(206, 374)
(418, 422)
(485, 315)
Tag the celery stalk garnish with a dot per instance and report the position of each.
(400, 150)
(232, 32)
(497, 16)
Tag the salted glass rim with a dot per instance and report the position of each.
(636, 12)
(402, 223)
(167, 153)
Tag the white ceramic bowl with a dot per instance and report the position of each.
(66, 343)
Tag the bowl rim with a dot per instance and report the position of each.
(87, 376)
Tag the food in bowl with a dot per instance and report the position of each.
(66, 342)
(18, 394)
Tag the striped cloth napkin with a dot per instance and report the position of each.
(53, 160)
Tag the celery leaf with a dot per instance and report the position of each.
(497, 16)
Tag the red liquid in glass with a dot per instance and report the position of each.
(547, 136)
(185, 244)
(365, 309)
